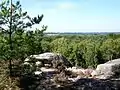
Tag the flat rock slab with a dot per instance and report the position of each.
(43, 69)
(49, 58)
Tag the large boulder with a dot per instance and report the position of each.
(50, 58)
(110, 69)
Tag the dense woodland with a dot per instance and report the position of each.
(81, 50)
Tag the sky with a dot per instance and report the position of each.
(76, 15)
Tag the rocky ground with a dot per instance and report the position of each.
(59, 81)
(61, 76)
(81, 84)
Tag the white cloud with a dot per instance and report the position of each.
(66, 5)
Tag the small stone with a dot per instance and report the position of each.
(58, 85)
(37, 72)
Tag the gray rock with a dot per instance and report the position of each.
(108, 70)
(50, 58)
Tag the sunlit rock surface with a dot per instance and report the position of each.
(110, 69)
(70, 78)
(49, 58)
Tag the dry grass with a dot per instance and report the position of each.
(7, 83)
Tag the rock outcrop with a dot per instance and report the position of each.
(49, 58)
(71, 78)
(110, 69)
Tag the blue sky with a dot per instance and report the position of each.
(76, 15)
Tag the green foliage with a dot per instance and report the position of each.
(60, 45)
(86, 50)
(110, 49)
(15, 41)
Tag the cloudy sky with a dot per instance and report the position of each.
(76, 15)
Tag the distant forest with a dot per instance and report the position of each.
(80, 33)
